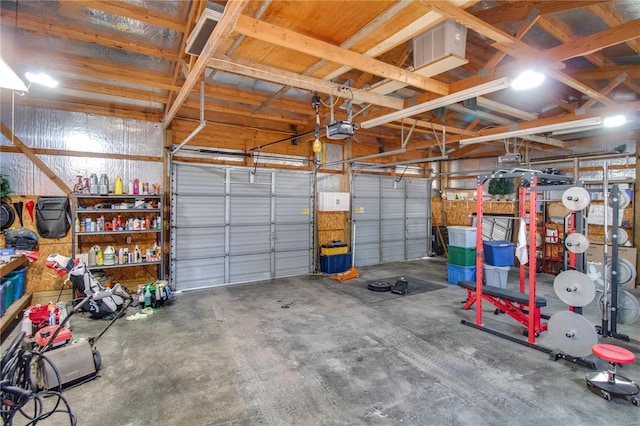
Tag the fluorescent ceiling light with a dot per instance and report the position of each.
(527, 80)
(9, 79)
(615, 121)
(41, 78)
(443, 101)
(533, 130)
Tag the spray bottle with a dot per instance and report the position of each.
(26, 326)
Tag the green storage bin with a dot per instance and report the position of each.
(462, 256)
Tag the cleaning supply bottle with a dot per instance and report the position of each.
(136, 186)
(147, 297)
(136, 254)
(109, 255)
(118, 186)
(92, 256)
(140, 293)
(26, 325)
(130, 188)
(104, 184)
(93, 184)
(62, 308)
(99, 256)
(52, 313)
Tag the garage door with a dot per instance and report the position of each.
(392, 218)
(233, 225)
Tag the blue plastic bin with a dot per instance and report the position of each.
(17, 277)
(335, 263)
(457, 273)
(2, 308)
(498, 253)
(8, 294)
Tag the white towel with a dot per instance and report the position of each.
(521, 249)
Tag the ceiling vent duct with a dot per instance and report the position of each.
(203, 29)
(445, 39)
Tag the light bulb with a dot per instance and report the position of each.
(317, 146)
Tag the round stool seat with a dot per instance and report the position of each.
(613, 353)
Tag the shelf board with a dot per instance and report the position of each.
(5, 268)
(123, 265)
(130, 196)
(82, 211)
(132, 231)
(14, 310)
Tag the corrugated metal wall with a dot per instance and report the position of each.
(232, 225)
(392, 218)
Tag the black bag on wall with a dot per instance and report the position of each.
(53, 216)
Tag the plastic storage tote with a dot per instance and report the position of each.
(498, 253)
(462, 236)
(495, 276)
(335, 263)
(17, 278)
(462, 256)
(334, 247)
(460, 273)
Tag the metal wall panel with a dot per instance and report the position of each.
(236, 225)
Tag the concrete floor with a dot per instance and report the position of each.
(302, 351)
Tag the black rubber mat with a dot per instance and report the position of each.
(359, 290)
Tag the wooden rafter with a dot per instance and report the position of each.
(289, 39)
(519, 10)
(52, 27)
(142, 14)
(34, 159)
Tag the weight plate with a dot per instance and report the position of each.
(626, 271)
(572, 333)
(575, 198)
(379, 286)
(624, 200)
(622, 236)
(574, 288)
(576, 243)
(628, 310)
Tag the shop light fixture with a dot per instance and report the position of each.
(528, 79)
(9, 79)
(515, 132)
(443, 101)
(41, 78)
(614, 121)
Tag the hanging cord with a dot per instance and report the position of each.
(402, 175)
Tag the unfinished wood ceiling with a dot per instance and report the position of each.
(264, 60)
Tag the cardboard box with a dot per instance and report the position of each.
(595, 253)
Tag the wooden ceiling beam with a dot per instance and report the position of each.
(594, 42)
(35, 159)
(111, 90)
(524, 27)
(519, 10)
(142, 14)
(279, 76)
(50, 27)
(301, 43)
(243, 111)
(222, 30)
(608, 13)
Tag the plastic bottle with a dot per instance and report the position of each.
(92, 256)
(130, 187)
(93, 184)
(77, 224)
(118, 186)
(109, 255)
(62, 308)
(99, 256)
(104, 184)
(52, 313)
(141, 297)
(147, 222)
(147, 297)
(26, 325)
(136, 186)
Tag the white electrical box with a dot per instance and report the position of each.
(444, 39)
(333, 201)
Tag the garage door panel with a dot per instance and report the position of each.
(368, 232)
(393, 230)
(416, 249)
(418, 188)
(292, 237)
(367, 254)
(198, 243)
(290, 263)
(249, 210)
(249, 240)
(366, 186)
(241, 185)
(393, 251)
(393, 209)
(417, 207)
(290, 184)
(391, 188)
(366, 208)
(193, 211)
(194, 180)
(247, 268)
(293, 210)
(190, 274)
(416, 228)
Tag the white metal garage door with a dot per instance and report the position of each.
(232, 225)
(392, 218)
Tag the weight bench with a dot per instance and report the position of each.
(512, 303)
